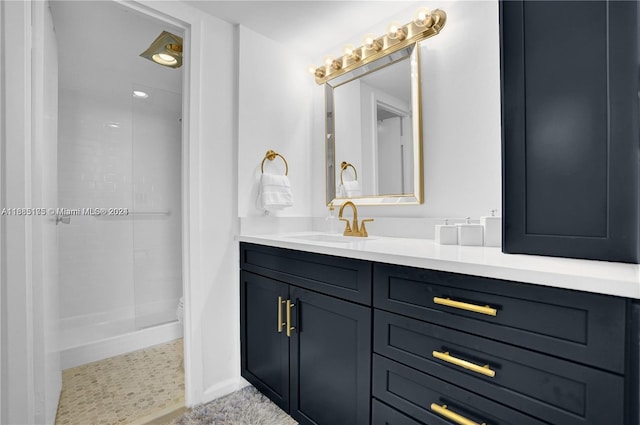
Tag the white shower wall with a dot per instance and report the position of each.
(95, 170)
(157, 220)
(118, 274)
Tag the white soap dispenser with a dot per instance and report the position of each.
(492, 229)
(332, 225)
(470, 234)
(446, 234)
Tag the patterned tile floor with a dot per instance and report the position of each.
(132, 388)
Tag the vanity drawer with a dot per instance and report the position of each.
(582, 327)
(429, 399)
(340, 277)
(385, 415)
(552, 389)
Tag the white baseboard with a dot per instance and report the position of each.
(223, 388)
(123, 344)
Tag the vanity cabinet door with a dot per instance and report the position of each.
(570, 128)
(265, 346)
(330, 360)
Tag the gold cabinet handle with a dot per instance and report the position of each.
(459, 419)
(489, 311)
(290, 305)
(484, 370)
(280, 322)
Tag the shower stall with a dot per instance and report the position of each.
(119, 181)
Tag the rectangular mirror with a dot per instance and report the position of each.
(374, 132)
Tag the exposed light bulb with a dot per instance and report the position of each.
(395, 30)
(318, 72)
(423, 17)
(348, 49)
(368, 40)
(371, 43)
(350, 52)
(332, 64)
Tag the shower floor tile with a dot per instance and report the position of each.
(127, 389)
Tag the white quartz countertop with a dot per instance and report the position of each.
(618, 279)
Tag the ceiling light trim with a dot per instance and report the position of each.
(165, 44)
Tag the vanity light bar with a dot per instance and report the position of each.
(426, 24)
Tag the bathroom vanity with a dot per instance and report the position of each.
(400, 331)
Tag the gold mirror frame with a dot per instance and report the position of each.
(383, 51)
(411, 53)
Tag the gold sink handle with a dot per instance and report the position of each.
(347, 229)
(363, 230)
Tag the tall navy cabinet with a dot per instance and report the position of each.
(569, 73)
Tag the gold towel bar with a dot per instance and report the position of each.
(271, 155)
(344, 166)
(483, 370)
(459, 419)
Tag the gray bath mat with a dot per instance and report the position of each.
(244, 407)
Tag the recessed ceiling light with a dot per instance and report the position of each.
(165, 50)
(113, 125)
(140, 94)
(164, 59)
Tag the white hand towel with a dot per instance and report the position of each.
(274, 192)
(351, 189)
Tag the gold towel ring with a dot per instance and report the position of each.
(344, 166)
(271, 155)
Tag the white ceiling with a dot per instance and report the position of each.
(312, 28)
(99, 43)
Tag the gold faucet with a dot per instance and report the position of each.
(355, 229)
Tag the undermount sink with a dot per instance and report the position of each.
(329, 238)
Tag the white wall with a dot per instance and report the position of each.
(3, 320)
(275, 112)
(47, 364)
(210, 256)
(30, 363)
(460, 71)
(18, 405)
(157, 217)
(95, 170)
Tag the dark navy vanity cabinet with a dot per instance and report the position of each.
(570, 118)
(306, 333)
(382, 344)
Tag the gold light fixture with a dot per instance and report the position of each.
(425, 24)
(371, 42)
(165, 50)
(351, 53)
(396, 31)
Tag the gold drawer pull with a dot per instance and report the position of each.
(490, 311)
(280, 322)
(459, 419)
(290, 305)
(484, 370)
